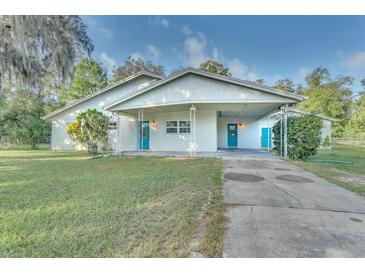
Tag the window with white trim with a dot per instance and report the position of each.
(184, 126)
(174, 127)
(171, 127)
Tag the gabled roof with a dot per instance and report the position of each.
(210, 75)
(92, 95)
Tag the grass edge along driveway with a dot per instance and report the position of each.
(351, 177)
(61, 204)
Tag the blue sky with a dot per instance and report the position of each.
(269, 47)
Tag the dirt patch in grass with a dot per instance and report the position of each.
(348, 177)
(208, 238)
(211, 244)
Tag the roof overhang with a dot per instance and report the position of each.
(241, 110)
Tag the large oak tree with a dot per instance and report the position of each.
(328, 96)
(215, 67)
(33, 46)
(37, 58)
(89, 77)
(132, 66)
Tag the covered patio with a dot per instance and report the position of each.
(156, 130)
(194, 112)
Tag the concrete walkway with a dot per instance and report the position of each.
(279, 210)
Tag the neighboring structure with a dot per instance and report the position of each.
(327, 122)
(191, 110)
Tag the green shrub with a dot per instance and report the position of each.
(91, 130)
(304, 136)
(326, 142)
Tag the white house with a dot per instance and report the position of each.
(191, 110)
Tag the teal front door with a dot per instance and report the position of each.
(232, 135)
(144, 135)
(265, 137)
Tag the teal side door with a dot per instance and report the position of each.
(144, 135)
(232, 135)
(265, 137)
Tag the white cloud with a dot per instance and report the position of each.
(240, 70)
(195, 47)
(355, 61)
(136, 55)
(107, 61)
(186, 30)
(101, 29)
(216, 54)
(160, 21)
(164, 22)
(153, 53)
(339, 53)
(106, 32)
(303, 72)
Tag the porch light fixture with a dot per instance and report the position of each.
(240, 125)
(154, 123)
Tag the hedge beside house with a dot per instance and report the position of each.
(304, 136)
(91, 130)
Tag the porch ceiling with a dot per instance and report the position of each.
(246, 110)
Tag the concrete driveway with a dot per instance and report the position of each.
(279, 210)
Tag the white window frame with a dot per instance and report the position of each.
(178, 127)
(168, 127)
(184, 127)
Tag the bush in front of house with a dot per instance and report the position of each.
(304, 136)
(91, 130)
(326, 142)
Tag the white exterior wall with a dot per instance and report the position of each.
(128, 133)
(60, 139)
(206, 132)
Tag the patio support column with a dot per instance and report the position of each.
(140, 131)
(119, 149)
(281, 133)
(192, 130)
(268, 133)
(285, 132)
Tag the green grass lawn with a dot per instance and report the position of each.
(351, 177)
(61, 204)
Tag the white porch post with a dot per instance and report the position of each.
(140, 131)
(285, 132)
(268, 133)
(119, 149)
(281, 133)
(192, 130)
